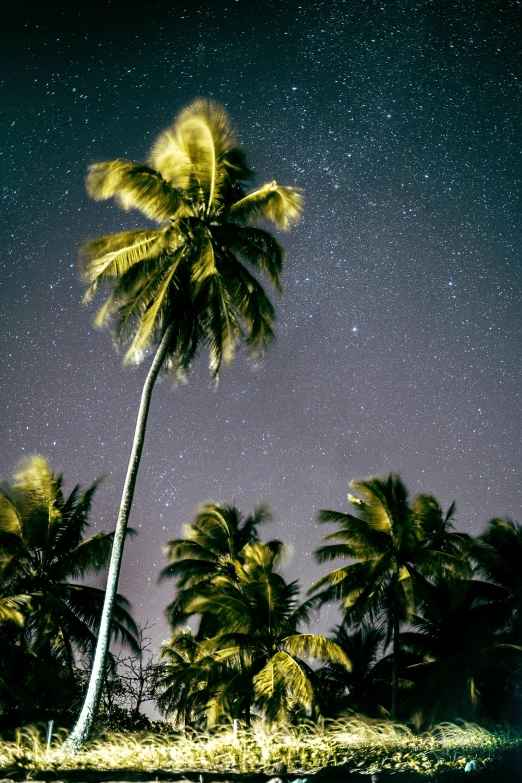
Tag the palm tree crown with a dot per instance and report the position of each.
(215, 538)
(189, 274)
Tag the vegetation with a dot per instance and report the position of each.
(430, 628)
(255, 656)
(49, 617)
(393, 546)
(431, 618)
(188, 284)
(456, 656)
(356, 744)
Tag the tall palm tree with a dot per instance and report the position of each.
(259, 650)
(393, 561)
(185, 285)
(215, 537)
(43, 554)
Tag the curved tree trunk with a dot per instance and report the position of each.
(83, 726)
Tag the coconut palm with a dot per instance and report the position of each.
(43, 554)
(393, 561)
(259, 650)
(466, 654)
(187, 284)
(216, 536)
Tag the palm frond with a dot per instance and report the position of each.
(36, 490)
(148, 324)
(280, 203)
(88, 557)
(282, 670)
(222, 329)
(12, 608)
(204, 265)
(135, 186)
(316, 647)
(10, 521)
(253, 306)
(109, 257)
(258, 248)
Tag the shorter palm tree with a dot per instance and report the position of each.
(460, 636)
(393, 560)
(43, 554)
(259, 650)
(438, 527)
(497, 554)
(182, 685)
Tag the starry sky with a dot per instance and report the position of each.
(398, 335)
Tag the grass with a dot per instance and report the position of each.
(358, 744)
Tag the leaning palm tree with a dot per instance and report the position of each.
(187, 284)
(259, 651)
(215, 537)
(393, 561)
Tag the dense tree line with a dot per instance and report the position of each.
(430, 630)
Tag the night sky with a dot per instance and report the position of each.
(398, 335)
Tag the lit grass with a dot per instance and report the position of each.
(355, 743)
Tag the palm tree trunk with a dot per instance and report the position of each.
(83, 726)
(395, 665)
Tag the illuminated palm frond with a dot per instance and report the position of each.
(281, 204)
(315, 647)
(110, 257)
(13, 608)
(135, 186)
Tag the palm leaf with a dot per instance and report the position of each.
(10, 521)
(11, 608)
(135, 186)
(148, 324)
(316, 647)
(283, 670)
(109, 257)
(280, 203)
(259, 248)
